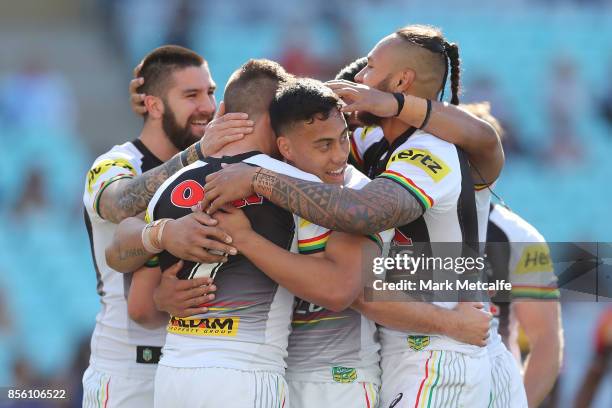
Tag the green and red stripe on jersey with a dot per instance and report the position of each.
(315, 244)
(425, 200)
(535, 292)
(103, 187)
(377, 240)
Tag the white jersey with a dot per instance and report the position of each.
(365, 143)
(326, 346)
(247, 326)
(118, 345)
(436, 174)
(517, 253)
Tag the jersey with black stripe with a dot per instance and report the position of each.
(328, 346)
(436, 173)
(367, 143)
(519, 254)
(116, 337)
(247, 326)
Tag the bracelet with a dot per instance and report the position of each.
(152, 234)
(399, 97)
(427, 115)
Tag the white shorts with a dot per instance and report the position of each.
(306, 394)
(507, 388)
(110, 390)
(435, 379)
(219, 388)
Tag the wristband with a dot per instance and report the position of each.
(427, 115)
(183, 156)
(198, 147)
(399, 97)
(152, 234)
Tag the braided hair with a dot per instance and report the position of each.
(452, 53)
(431, 39)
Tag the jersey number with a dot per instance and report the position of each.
(189, 192)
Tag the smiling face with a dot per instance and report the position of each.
(320, 146)
(189, 105)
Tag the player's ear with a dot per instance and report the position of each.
(405, 80)
(284, 147)
(154, 105)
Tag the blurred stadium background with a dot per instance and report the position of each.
(546, 67)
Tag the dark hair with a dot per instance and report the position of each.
(348, 73)
(432, 39)
(251, 87)
(301, 100)
(160, 63)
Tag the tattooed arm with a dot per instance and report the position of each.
(467, 126)
(189, 238)
(128, 197)
(382, 204)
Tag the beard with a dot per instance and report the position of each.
(369, 119)
(181, 136)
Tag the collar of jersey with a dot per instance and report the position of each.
(401, 139)
(147, 154)
(233, 159)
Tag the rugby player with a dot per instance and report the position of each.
(233, 355)
(517, 253)
(304, 367)
(123, 352)
(333, 353)
(421, 201)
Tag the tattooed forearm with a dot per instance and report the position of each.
(380, 205)
(129, 253)
(191, 153)
(129, 197)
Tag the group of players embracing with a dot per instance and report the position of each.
(230, 241)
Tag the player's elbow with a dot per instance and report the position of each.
(112, 259)
(342, 298)
(488, 138)
(144, 315)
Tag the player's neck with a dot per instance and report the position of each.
(249, 143)
(393, 128)
(155, 139)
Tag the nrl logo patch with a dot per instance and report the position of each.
(147, 355)
(418, 343)
(344, 375)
